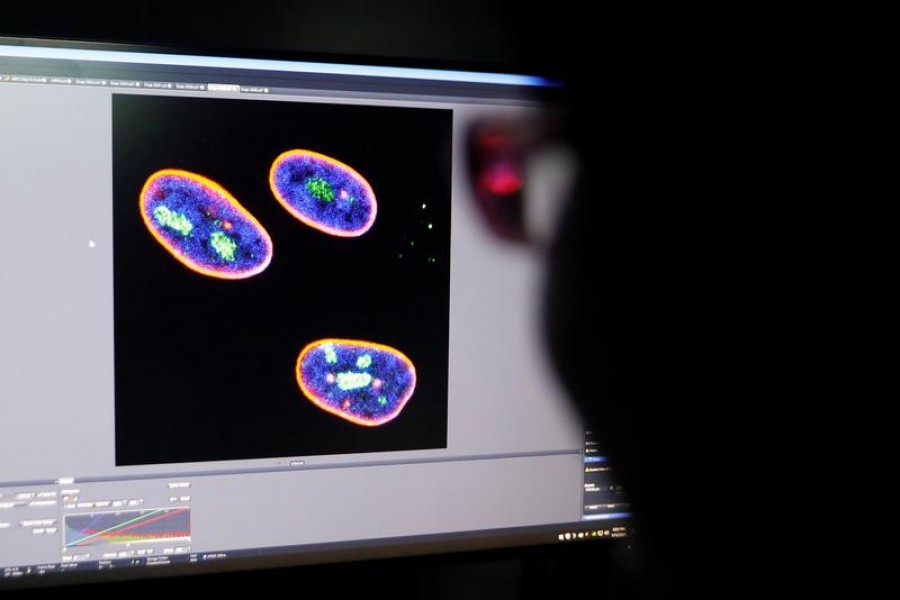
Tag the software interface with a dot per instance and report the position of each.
(250, 308)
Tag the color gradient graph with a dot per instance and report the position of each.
(128, 527)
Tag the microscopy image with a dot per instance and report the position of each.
(363, 382)
(203, 226)
(323, 192)
(219, 286)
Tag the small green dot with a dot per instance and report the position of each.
(330, 354)
(423, 206)
(412, 243)
(320, 189)
(429, 226)
(223, 245)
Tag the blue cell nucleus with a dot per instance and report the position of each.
(202, 225)
(323, 193)
(363, 382)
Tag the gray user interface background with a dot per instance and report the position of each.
(57, 368)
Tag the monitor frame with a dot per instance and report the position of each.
(489, 545)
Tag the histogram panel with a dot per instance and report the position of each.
(128, 527)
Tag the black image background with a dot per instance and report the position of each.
(205, 367)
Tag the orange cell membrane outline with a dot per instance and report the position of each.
(363, 382)
(203, 226)
(323, 192)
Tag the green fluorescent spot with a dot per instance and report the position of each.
(350, 380)
(330, 354)
(223, 245)
(363, 361)
(382, 400)
(320, 189)
(169, 218)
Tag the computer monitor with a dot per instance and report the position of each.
(252, 316)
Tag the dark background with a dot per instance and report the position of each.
(205, 368)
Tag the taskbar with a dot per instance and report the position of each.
(182, 561)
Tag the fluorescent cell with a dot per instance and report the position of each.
(323, 192)
(367, 384)
(203, 226)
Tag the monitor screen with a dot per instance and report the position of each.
(251, 315)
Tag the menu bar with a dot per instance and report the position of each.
(253, 64)
(135, 84)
